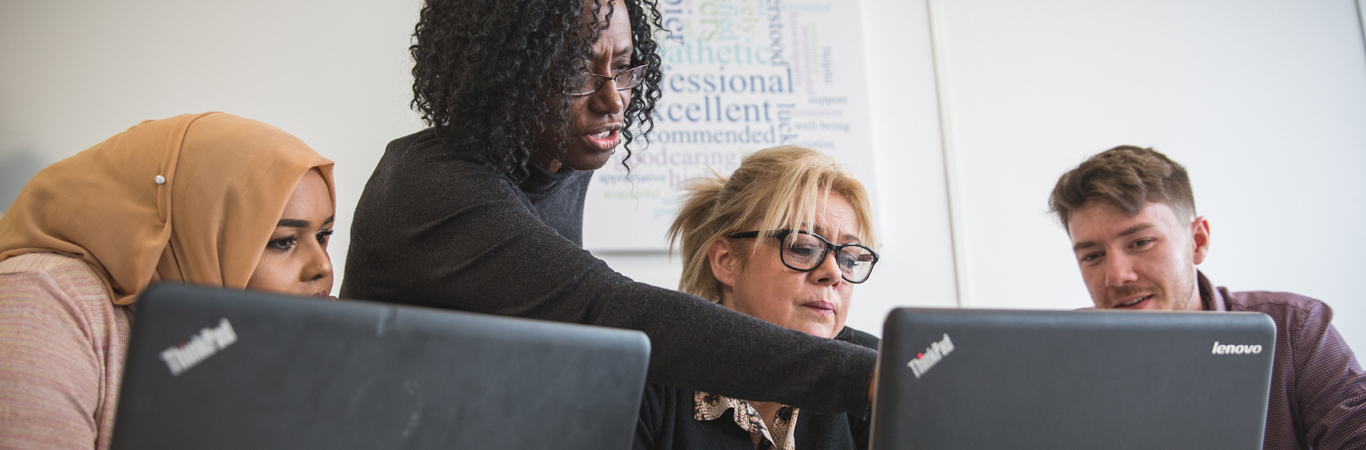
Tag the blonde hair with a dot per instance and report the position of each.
(780, 187)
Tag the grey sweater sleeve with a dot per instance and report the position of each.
(437, 230)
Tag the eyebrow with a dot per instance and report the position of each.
(1126, 232)
(296, 223)
(846, 237)
(1082, 245)
(850, 239)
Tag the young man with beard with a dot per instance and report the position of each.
(1137, 239)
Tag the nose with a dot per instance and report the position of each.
(1118, 270)
(828, 273)
(608, 100)
(319, 265)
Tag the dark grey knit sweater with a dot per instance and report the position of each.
(435, 227)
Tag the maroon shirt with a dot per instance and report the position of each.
(1318, 391)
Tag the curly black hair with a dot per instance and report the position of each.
(485, 70)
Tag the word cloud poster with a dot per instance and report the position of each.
(739, 76)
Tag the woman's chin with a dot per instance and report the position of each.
(583, 154)
(585, 162)
(823, 330)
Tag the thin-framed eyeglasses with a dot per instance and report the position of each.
(804, 251)
(590, 83)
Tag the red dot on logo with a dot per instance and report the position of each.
(919, 355)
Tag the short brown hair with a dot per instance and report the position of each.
(778, 187)
(1127, 177)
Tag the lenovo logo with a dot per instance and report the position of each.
(1236, 349)
(201, 346)
(932, 355)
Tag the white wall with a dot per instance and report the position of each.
(334, 73)
(1263, 101)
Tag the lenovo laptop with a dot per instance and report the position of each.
(982, 379)
(219, 369)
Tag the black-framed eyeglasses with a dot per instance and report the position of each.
(590, 83)
(805, 251)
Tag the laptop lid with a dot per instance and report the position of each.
(990, 379)
(211, 368)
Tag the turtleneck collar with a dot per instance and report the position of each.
(539, 180)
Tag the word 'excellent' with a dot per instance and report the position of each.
(713, 108)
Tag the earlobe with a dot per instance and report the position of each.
(723, 263)
(1199, 239)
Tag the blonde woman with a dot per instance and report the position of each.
(783, 239)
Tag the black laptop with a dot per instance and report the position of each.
(984, 379)
(220, 369)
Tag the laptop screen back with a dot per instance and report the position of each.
(210, 368)
(981, 379)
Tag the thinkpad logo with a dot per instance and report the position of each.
(201, 346)
(1236, 349)
(932, 355)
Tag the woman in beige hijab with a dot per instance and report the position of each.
(210, 199)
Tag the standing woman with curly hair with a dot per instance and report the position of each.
(484, 210)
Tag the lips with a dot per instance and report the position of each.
(603, 138)
(1134, 302)
(821, 307)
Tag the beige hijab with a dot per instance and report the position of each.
(192, 198)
